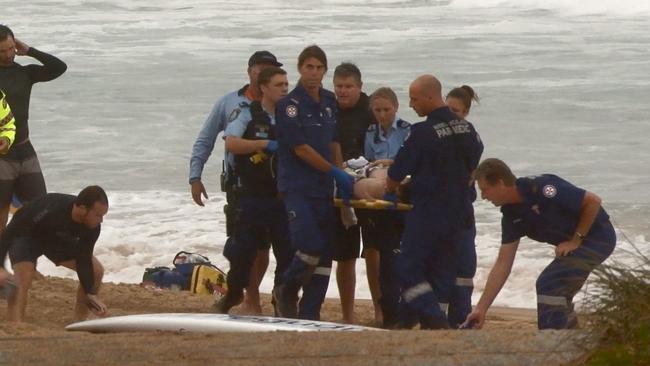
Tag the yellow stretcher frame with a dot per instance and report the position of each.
(373, 204)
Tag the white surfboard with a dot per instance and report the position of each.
(206, 323)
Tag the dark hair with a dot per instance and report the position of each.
(312, 51)
(268, 73)
(5, 32)
(89, 195)
(386, 93)
(465, 94)
(346, 70)
(493, 170)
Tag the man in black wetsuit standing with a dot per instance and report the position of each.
(20, 172)
(64, 228)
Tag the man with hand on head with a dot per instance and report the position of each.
(548, 209)
(226, 110)
(261, 215)
(20, 171)
(64, 228)
(309, 163)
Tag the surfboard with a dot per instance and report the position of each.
(207, 323)
(372, 204)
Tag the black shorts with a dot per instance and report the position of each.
(347, 245)
(380, 230)
(20, 173)
(28, 249)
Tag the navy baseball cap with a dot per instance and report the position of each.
(263, 57)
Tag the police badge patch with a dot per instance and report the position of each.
(234, 114)
(549, 191)
(291, 111)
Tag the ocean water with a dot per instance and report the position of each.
(563, 87)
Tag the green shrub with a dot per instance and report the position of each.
(619, 304)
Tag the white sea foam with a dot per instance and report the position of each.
(564, 7)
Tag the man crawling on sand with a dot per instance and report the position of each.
(64, 228)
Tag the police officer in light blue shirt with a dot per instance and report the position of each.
(225, 110)
(384, 143)
(309, 160)
(383, 229)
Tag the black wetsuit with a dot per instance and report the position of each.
(351, 125)
(45, 226)
(17, 81)
(20, 171)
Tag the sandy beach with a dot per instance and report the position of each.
(510, 337)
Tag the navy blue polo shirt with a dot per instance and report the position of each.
(439, 154)
(302, 120)
(549, 212)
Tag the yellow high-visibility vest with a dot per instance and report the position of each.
(7, 122)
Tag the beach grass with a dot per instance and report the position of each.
(619, 304)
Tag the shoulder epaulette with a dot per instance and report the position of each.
(403, 124)
(242, 91)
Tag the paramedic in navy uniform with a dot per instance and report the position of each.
(548, 209)
(309, 160)
(436, 155)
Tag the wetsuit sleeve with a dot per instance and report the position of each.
(204, 144)
(51, 69)
(561, 193)
(238, 126)
(407, 158)
(288, 123)
(84, 262)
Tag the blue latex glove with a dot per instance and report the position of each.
(271, 147)
(344, 182)
(391, 197)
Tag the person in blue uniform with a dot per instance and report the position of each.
(459, 101)
(383, 229)
(352, 120)
(436, 154)
(309, 163)
(226, 110)
(548, 209)
(261, 215)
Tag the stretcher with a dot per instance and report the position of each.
(373, 204)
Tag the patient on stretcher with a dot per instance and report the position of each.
(369, 185)
(370, 179)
